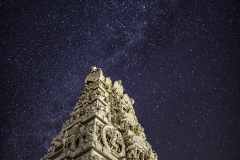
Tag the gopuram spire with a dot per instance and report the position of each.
(102, 126)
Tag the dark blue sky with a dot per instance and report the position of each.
(178, 59)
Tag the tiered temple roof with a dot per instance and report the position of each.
(102, 126)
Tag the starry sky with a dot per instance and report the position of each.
(178, 59)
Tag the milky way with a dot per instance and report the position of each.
(178, 59)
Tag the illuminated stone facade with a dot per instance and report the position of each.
(102, 126)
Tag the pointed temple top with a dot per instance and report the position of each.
(102, 126)
(97, 76)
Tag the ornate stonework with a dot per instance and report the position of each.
(102, 126)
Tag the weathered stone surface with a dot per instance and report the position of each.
(102, 126)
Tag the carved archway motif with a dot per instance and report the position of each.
(113, 141)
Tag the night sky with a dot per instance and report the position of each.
(178, 59)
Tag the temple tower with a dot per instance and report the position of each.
(102, 126)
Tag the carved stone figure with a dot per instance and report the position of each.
(89, 136)
(65, 140)
(94, 94)
(138, 129)
(80, 139)
(108, 82)
(98, 131)
(56, 143)
(123, 120)
(107, 98)
(114, 117)
(113, 140)
(109, 115)
(95, 76)
(143, 135)
(117, 87)
(75, 141)
(82, 112)
(94, 107)
(126, 99)
(131, 149)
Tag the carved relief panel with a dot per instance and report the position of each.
(113, 141)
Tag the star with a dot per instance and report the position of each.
(177, 59)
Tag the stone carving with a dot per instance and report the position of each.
(102, 125)
(65, 139)
(151, 155)
(118, 88)
(74, 131)
(94, 94)
(84, 97)
(127, 100)
(108, 83)
(131, 149)
(112, 140)
(109, 115)
(114, 117)
(56, 143)
(95, 76)
(107, 97)
(75, 141)
(98, 132)
(138, 129)
(123, 120)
